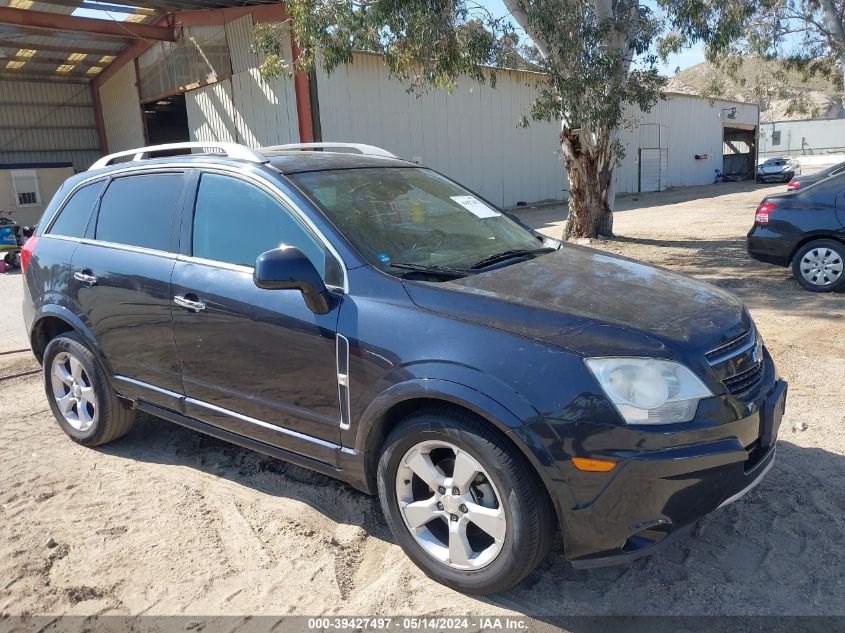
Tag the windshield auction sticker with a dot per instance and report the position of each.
(475, 206)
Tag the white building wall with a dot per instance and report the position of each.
(802, 138)
(469, 135)
(48, 181)
(687, 126)
(245, 108)
(121, 111)
(44, 122)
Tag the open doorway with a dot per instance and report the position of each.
(167, 120)
(739, 152)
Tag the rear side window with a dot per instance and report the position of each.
(235, 221)
(74, 216)
(139, 210)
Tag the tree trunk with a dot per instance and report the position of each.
(835, 32)
(842, 68)
(590, 171)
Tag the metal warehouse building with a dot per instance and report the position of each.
(73, 88)
(812, 137)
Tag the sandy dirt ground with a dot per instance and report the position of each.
(167, 521)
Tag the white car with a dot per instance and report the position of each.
(777, 169)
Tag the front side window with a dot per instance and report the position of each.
(139, 210)
(396, 216)
(74, 216)
(25, 184)
(235, 221)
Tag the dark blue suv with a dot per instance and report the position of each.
(372, 320)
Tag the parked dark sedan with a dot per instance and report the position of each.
(804, 229)
(378, 322)
(805, 181)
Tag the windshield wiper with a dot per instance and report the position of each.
(445, 271)
(511, 254)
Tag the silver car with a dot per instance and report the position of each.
(777, 169)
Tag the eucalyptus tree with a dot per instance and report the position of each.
(598, 58)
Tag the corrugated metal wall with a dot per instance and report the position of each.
(469, 135)
(211, 113)
(200, 54)
(47, 122)
(246, 108)
(803, 138)
(121, 112)
(688, 126)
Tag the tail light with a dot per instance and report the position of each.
(793, 185)
(26, 252)
(761, 215)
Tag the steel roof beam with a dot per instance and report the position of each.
(43, 72)
(58, 61)
(54, 48)
(70, 23)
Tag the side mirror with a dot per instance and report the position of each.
(287, 268)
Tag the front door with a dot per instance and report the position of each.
(256, 362)
(121, 281)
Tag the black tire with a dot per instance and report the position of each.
(530, 522)
(112, 418)
(837, 250)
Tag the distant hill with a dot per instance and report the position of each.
(786, 95)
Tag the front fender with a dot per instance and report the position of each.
(504, 418)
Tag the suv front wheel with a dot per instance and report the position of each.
(465, 507)
(82, 400)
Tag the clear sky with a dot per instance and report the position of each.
(683, 60)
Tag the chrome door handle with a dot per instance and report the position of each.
(85, 278)
(179, 300)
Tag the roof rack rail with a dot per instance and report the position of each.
(367, 150)
(231, 150)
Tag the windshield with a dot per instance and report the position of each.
(400, 216)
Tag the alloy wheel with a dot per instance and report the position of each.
(450, 505)
(73, 391)
(821, 266)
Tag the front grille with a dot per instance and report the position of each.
(745, 380)
(727, 350)
(738, 362)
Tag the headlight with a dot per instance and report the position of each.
(647, 390)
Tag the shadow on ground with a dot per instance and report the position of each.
(776, 551)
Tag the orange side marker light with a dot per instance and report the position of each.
(593, 465)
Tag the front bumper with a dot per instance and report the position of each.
(653, 496)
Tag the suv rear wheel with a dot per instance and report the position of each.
(82, 400)
(818, 265)
(465, 507)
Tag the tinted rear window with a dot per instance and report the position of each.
(139, 210)
(74, 216)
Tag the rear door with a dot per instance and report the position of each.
(256, 362)
(840, 208)
(121, 275)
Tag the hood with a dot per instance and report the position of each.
(592, 303)
(773, 168)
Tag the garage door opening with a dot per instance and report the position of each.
(739, 152)
(167, 120)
